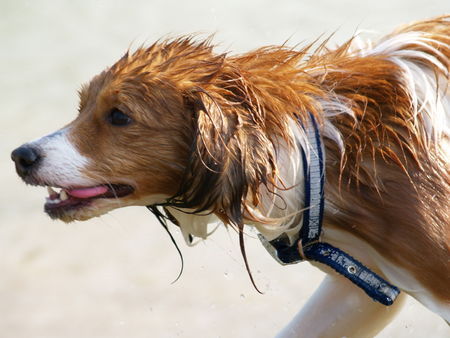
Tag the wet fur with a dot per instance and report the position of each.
(209, 131)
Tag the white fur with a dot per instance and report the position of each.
(429, 96)
(339, 309)
(61, 163)
(284, 208)
(195, 225)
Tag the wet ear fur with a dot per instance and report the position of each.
(232, 155)
(220, 174)
(215, 180)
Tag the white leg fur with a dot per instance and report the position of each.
(339, 309)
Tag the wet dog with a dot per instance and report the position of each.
(219, 137)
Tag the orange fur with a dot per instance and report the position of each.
(212, 124)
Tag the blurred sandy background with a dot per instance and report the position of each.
(111, 277)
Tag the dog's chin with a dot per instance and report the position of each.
(84, 211)
(71, 208)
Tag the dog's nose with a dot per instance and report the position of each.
(25, 158)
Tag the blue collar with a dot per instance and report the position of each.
(308, 245)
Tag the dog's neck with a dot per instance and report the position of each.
(280, 210)
(283, 211)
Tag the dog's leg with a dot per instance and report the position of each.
(340, 309)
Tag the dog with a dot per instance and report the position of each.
(199, 136)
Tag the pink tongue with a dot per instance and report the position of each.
(88, 192)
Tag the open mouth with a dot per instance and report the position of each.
(69, 199)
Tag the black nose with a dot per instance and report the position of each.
(25, 158)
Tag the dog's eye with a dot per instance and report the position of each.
(118, 118)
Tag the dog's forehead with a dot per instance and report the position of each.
(115, 78)
(89, 91)
(107, 87)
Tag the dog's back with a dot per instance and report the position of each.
(393, 183)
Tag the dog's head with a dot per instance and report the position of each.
(163, 122)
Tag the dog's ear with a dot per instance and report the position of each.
(226, 166)
(215, 179)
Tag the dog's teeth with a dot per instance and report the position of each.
(51, 191)
(63, 195)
